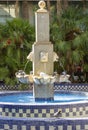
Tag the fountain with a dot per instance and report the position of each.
(42, 57)
(43, 115)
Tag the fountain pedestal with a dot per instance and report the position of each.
(43, 92)
(42, 58)
(42, 53)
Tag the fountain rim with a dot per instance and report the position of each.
(39, 104)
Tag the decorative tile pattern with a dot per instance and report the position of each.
(16, 87)
(43, 124)
(71, 87)
(57, 86)
(41, 117)
(67, 110)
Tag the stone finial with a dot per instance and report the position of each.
(41, 5)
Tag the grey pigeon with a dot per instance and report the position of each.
(57, 114)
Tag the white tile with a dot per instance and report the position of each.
(14, 127)
(60, 127)
(69, 127)
(6, 126)
(43, 110)
(13, 110)
(86, 127)
(20, 110)
(0, 109)
(42, 127)
(33, 128)
(6, 110)
(51, 128)
(78, 127)
(28, 111)
(36, 111)
(23, 127)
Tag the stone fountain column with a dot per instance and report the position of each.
(42, 53)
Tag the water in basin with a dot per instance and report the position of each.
(59, 97)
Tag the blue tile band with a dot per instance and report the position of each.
(42, 111)
(41, 117)
(43, 124)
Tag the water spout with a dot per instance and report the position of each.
(26, 65)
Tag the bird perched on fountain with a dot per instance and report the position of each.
(57, 114)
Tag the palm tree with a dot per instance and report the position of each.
(65, 4)
(59, 8)
(16, 38)
(84, 4)
(70, 38)
(48, 5)
(25, 11)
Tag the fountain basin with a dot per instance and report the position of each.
(60, 97)
(44, 109)
(26, 116)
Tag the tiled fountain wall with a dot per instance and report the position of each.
(72, 87)
(43, 124)
(44, 111)
(40, 117)
(57, 86)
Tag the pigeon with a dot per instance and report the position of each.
(57, 114)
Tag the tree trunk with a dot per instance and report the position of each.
(59, 8)
(48, 5)
(25, 12)
(84, 4)
(65, 4)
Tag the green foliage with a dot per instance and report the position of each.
(70, 37)
(16, 39)
(3, 72)
(69, 34)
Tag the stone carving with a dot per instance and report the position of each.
(39, 80)
(44, 56)
(23, 77)
(42, 5)
(55, 56)
(64, 78)
(30, 56)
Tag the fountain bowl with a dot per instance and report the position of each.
(24, 116)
